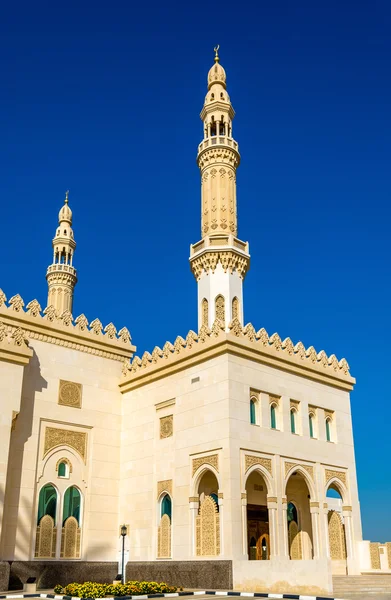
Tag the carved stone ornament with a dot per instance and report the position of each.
(291, 465)
(110, 331)
(250, 333)
(3, 298)
(124, 335)
(288, 346)
(3, 331)
(50, 313)
(64, 437)
(294, 404)
(374, 554)
(217, 328)
(235, 327)
(16, 303)
(191, 338)
(275, 341)
(212, 460)
(96, 327)
(19, 337)
(179, 344)
(341, 475)
(69, 394)
(126, 367)
(166, 426)
(164, 486)
(263, 336)
(156, 354)
(250, 461)
(66, 318)
(34, 308)
(81, 322)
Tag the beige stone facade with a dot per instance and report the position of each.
(220, 446)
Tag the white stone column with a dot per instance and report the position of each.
(326, 528)
(194, 504)
(273, 535)
(314, 510)
(284, 547)
(221, 513)
(244, 525)
(351, 563)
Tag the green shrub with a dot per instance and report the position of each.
(90, 589)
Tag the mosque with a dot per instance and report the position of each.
(216, 451)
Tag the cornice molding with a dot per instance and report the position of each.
(63, 330)
(243, 342)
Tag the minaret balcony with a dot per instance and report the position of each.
(56, 267)
(218, 140)
(219, 242)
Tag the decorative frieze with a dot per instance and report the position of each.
(331, 474)
(164, 486)
(290, 465)
(250, 461)
(166, 426)
(212, 460)
(65, 437)
(70, 393)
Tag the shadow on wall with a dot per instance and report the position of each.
(15, 538)
(51, 573)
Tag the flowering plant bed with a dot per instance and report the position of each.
(100, 590)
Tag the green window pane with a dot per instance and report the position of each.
(166, 506)
(293, 421)
(252, 412)
(72, 501)
(311, 426)
(273, 417)
(47, 502)
(328, 433)
(62, 469)
(292, 513)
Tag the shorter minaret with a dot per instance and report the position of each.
(61, 275)
(220, 260)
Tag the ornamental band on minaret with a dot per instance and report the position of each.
(220, 260)
(61, 274)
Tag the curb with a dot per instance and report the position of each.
(176, 595)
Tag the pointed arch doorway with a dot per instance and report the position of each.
(258, 537)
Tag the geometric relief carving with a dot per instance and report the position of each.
(336, 536)
(341, 475)
(308, 468)
(295, 545)
(375, 556)
(59, 437)
(212, 460)
(45, 541)
(164, 486)
(388, 546)
(69, 394)
(166, 426)
(70, 539)
(208, 529)
(164, 537)
(249, 461)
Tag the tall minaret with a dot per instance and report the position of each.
(219, 261)
(61, 275)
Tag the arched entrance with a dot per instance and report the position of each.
(208, 518)
(258, 536)
(336, 530)
(300, 540)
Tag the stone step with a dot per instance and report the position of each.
(352, 586)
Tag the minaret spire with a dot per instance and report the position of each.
(61, 274)
(220, 260)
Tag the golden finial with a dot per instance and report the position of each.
(216, 50)
(66, 196)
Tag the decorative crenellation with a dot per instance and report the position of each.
(212, 460)
(260, 339)
(26, 324)
(250, 461)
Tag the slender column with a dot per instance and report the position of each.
(194, 506)
(273, 537)
(221, 513)
(314, 510)
(244, 524)
(326, 528)
(347, 515)
(217, 128)
(285, 548)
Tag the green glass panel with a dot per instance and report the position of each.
(293, 421)
(311, 426)
(62, 469)
(72, 502)
(252, 412)
(273, 417)
(47, 502)
(328, 433)
(292, 513)
(166, 506)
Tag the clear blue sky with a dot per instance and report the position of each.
(104, 99)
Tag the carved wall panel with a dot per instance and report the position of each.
(69, 393)
(164, 537)
(59, 437)
(295, 545)
(341, 475)
(308, 468)
(205, 312)
(250, 461)
(164, 486)
(220, 309)
(336, 536)
(45, 542)
(212, 460)
(388, 546)
(166, 426)
(208, 529)
(70, 539)
(374, 554)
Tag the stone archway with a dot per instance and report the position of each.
(300, 535)
(336, 529)
(258, 534)
(207, 525)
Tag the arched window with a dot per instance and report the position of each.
(328, 429)
(72, 502)
(220, 308)
(293, 420)
(165, 507)
(62, 469)
(47, 503)
(311, 424)
(253, 411)
(235, 308)
(205, 312)
(273, 416)
(292, 513)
